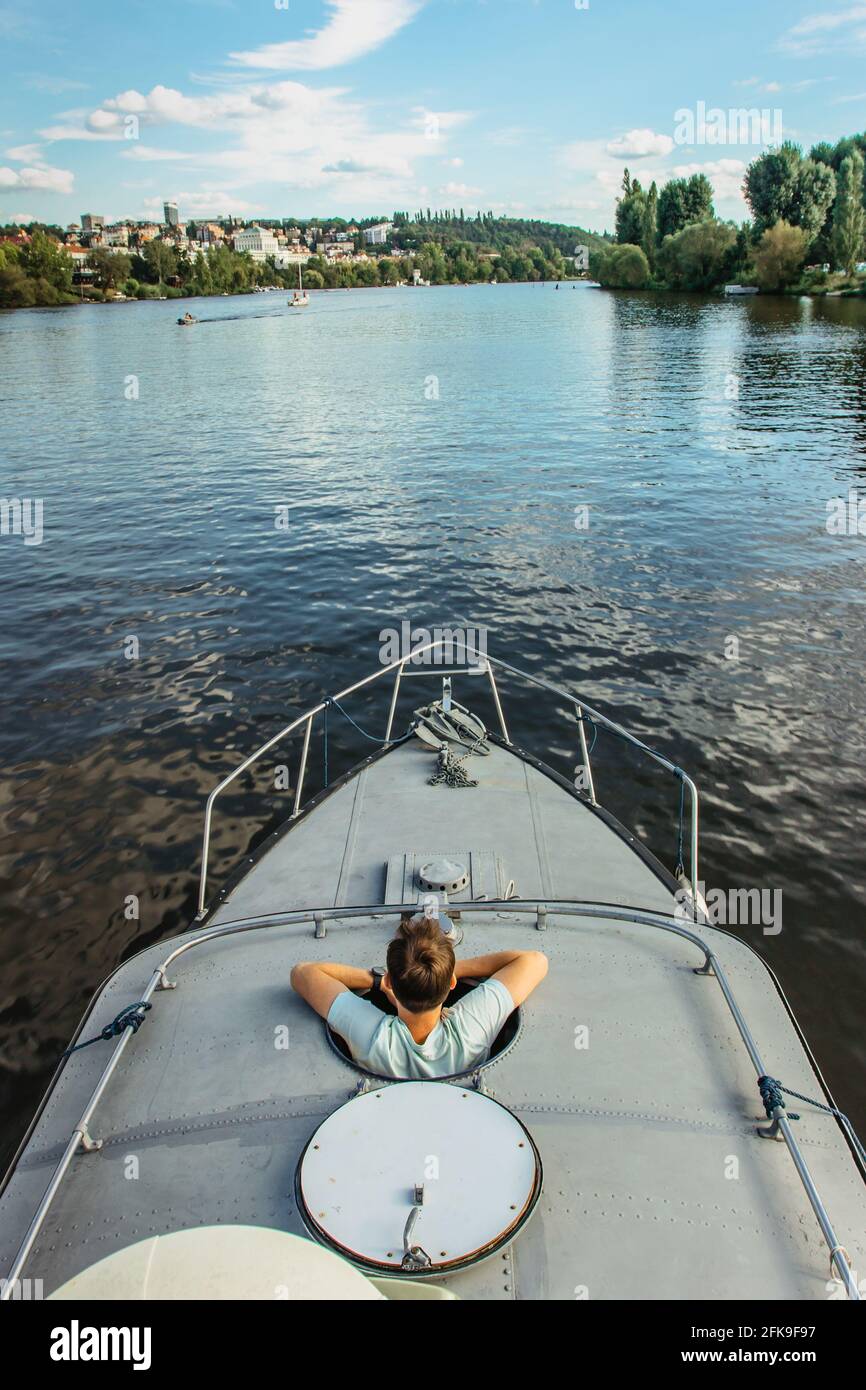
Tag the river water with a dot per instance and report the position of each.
(428, 449)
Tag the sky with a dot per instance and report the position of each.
(355, 108)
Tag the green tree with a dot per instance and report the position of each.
(44, 260)
(620, 268)
(849, 218)
(649, 229)
(110, 268)
(630, 212)
(822, 153)
(698, 257)
(160, 261)
(779, 255)
(683, 201)
(782, 186)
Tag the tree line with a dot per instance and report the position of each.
(804, 208)
(445, 248)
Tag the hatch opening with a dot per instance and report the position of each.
(502, 1043)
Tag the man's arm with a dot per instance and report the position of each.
(519, 971)
(319, 982)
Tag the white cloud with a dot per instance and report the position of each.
(355, 28)
(204, 202)
(827, 32)
(78, 132)
(27, 154)
(44, 178)
(772, 88)
(22, 219)
(149, 154)
(55, 86)
(637, 144)
(459, 190)
(726, 176)
(282, 133)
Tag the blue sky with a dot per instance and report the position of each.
(358, 107)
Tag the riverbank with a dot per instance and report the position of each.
(71, 301)
(790, 292)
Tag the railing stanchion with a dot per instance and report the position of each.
(303, 767)
(584, 753)
(394, 694)
(503, 726)
(205, 851)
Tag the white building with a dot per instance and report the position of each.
(258, 242)
(286, 257)
(378, 235)
(116, 236)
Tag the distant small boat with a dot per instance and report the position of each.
(741, 289)
(300, 299)
(187, 320)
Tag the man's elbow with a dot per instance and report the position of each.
(541, 963)
(299, 972)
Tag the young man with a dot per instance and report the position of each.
(423, 1041)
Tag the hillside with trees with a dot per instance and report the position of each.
(444, 247)
(807, 232)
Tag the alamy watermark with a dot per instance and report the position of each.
(77, 1343)
(453, 646)
(735, 907)
(22, 516)
(23, 1290)
(846, 516)
(737, 126)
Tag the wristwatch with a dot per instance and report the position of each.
(378, 972)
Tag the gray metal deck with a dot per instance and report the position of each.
(656, 1184)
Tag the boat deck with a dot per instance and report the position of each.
(656, 1184)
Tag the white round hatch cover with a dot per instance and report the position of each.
(418, 1177)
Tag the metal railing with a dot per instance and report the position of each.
(80, 1140)
(485, 666)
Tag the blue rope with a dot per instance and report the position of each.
(130, 1017)
(372, 737)
(681, 868)
(585, 719)
(771, 1094)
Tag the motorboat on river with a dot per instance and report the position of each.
(626, 1139)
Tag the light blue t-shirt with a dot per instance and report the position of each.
(460, 1041)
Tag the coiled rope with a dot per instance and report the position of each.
(130, 1017)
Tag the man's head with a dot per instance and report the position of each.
(420, 965)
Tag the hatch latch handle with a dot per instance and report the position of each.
(414, 1257)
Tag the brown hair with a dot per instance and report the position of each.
(420, 964)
